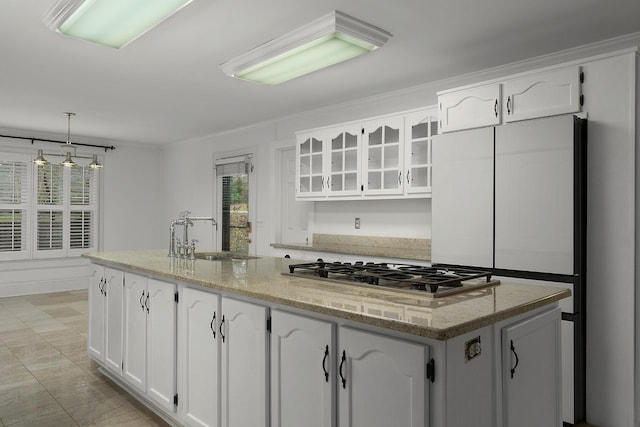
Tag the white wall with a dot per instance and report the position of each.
(133, 197)
(399, 218)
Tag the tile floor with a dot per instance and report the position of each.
(46, 377)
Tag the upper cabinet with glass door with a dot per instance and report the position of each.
(311, 180)
(344, 160)
(420, 127)
(385, 157)
(383, 142)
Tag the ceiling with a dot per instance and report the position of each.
(166, 86)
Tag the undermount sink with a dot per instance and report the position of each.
(223, 256)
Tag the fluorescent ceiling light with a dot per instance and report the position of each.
(328, 40)
(113, 23)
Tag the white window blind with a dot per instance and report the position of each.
(14, 206)
(47, 211)
(50, 225)
(83, 201)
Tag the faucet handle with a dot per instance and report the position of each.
(184, 214)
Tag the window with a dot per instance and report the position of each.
(14, 207)
(56, 216)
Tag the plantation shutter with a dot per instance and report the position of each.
(14, 207)
(83, 201)
(50, 209)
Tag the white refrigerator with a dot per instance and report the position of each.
(512, 199)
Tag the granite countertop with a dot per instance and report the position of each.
(391, 247)
(405, 311)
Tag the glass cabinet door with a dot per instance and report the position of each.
(383, 141)
(420, 127)
(310, 151)
(344, 151)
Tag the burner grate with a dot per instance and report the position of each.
(403, 276)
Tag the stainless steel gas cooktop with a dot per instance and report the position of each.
(435, 281)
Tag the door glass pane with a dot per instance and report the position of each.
(235, 213)
(421, 130)
(419, 153)
(391, 135)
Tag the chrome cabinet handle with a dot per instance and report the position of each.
(141, 301)
(408, 181)
(146, 302)
(495, 108)
(509, 105)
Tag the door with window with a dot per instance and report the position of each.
(235, 204)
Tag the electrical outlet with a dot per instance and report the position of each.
(472, 349)
(357, 224)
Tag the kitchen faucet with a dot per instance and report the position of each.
(183, 247)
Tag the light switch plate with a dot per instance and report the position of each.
(357, 223)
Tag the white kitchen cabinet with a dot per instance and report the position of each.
(542, 94)
(310, 170)
(135, 331)
(534, 195)
(530, 364)
(200, 350)
(420, 127)
(382, 381)
(161, 343)
(105, 316)
(244, 395)
(383, 146)
(150, 338)
(462, 198)
(469, 108)
(303, 372)
(344, 152)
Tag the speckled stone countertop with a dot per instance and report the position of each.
(405, 311)
(391, 247)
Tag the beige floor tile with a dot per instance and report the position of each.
(49, 420)
(46, 377)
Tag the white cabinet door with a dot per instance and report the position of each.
(531, 372)
(462, 198)
(244, 364)
(344, 156)
(469, 108)
(310, 171)
(383, 145)
(382, 381)
(161, 343)
(420, 126)
(113, 293)
(95, 344)
(135, 331)
(534, 195)
(200, 347)
(302, 371)
(545, 94)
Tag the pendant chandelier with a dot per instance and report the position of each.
(66, 152)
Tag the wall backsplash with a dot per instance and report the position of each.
(385, 218)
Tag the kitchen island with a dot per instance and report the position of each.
(157, 323)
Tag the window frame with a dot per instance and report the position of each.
(90, 194)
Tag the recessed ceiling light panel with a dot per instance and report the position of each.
(326, 41)
(113, 23)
